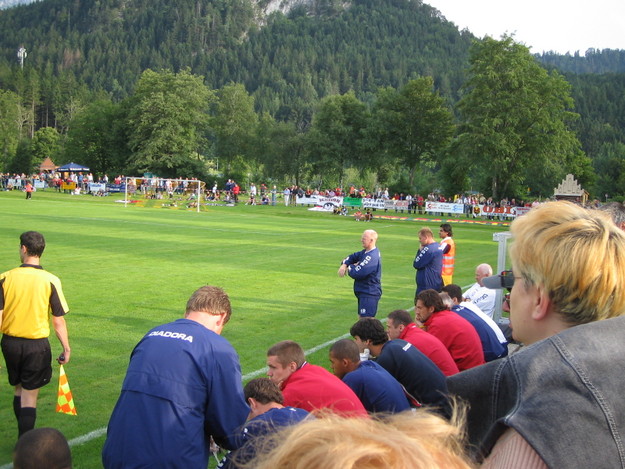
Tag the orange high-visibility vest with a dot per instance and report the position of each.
(450, 257)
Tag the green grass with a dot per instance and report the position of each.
(127, 269)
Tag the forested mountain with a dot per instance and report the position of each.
(593, 61)
(82, 51)
(106, 44)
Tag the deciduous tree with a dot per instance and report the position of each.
(515, 118)
(167, 121)
(234, 124)
(337, 135)
(413, 124)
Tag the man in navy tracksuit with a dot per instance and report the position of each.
(365, 267)
(428, 263)
(183, 385)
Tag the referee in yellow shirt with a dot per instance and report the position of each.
(28, 295)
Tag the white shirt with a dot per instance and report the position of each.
(483, 297)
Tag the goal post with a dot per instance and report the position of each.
(163, 187)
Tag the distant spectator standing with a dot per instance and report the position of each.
(428, 263)
(236, 190)
(448, 246)
(28, 188)
(253, 192)
(308, 386)
(375, 387)
(28, 294)
(365, 267)
(401, 326)
(479, 294)
(183, 385)
(287, 195)
(455, 332)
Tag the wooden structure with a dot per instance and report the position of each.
(569, 189)
(47, 165)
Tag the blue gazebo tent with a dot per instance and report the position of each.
(72, 167)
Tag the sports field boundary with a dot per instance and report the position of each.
(458, 221)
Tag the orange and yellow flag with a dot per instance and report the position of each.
(64, 400)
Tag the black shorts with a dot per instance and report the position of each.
(28, 361)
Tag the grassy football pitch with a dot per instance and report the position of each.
(127, 269)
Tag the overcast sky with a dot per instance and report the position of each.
(544, 25)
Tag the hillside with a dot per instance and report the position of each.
(83, 50)
(370, 44)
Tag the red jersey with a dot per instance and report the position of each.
(312, 388)
(459, 336)
(431, 347)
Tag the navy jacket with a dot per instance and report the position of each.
(416, 372)
(264, 424)
(493, 349)
(367, 274)
(183, 385)
(376, 388)
(429, 265)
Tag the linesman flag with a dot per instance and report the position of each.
(64, 400)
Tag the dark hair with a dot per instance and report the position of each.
(369, 329)
(42, 447)
(211, 300)
(447, 228)
(430, 298)
(400, 316)
(616, 211)
(454, 291)
(346, 348)
(287, 351)
(34, 243)
(264, 391)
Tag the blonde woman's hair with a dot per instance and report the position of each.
(576, 255)
(409, 440)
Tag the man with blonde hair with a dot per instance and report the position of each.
(558, 401)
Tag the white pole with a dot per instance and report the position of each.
(126, 193)
(198, 196)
